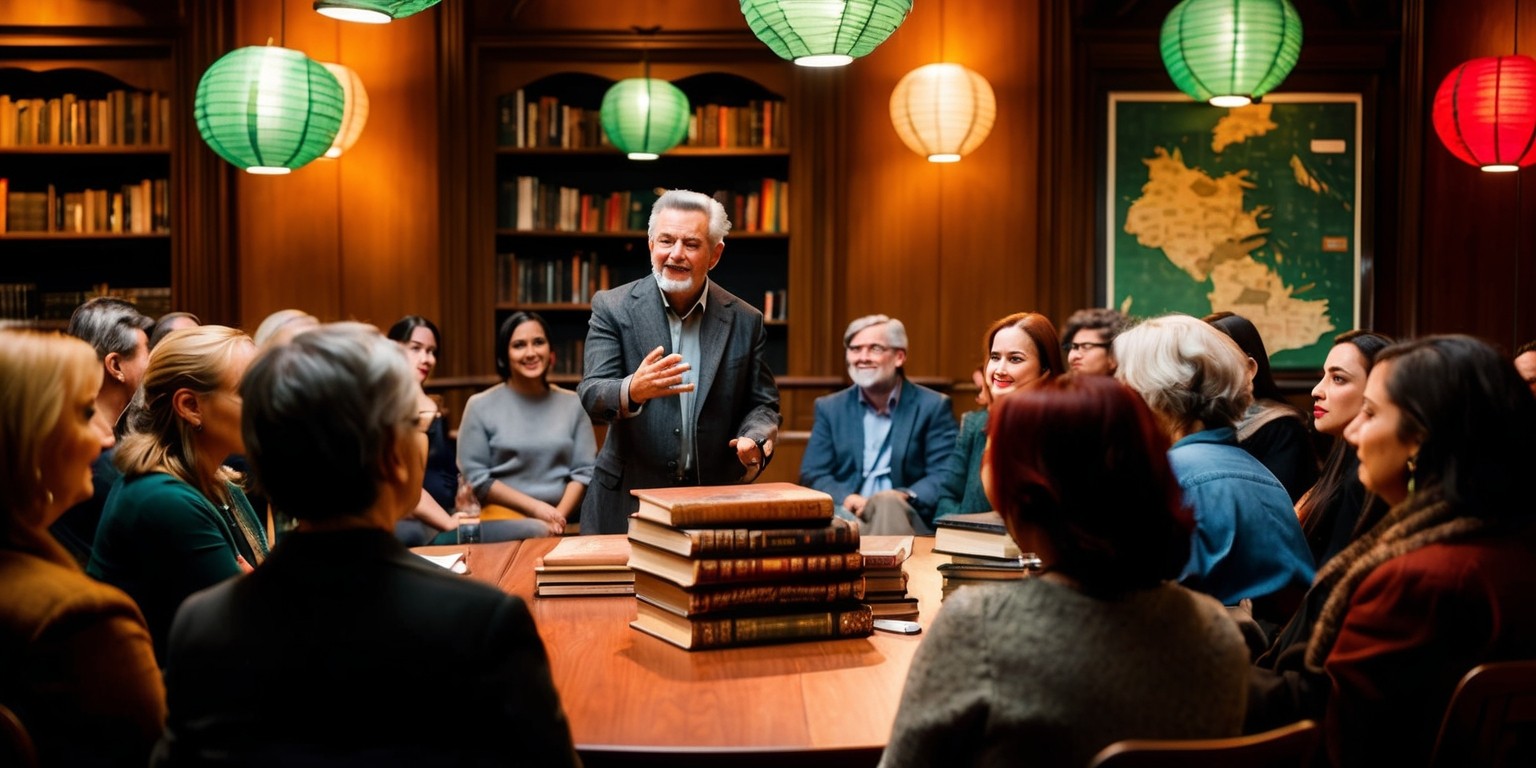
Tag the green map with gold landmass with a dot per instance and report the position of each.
(1250, 210)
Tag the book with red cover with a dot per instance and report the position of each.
(692, 601)
(689, 572)
(729, 506)
(836, 536)
(737, 628)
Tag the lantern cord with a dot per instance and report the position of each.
(282, 23)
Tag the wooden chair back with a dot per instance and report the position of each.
(15, 743)
(1491, 719)
(1290, 746)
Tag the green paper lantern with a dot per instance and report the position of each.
(644, 116)
(268, 109)
(372, 11)
(824, 33)
(1230, 52)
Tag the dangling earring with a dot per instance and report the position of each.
(197, 427)
(1413, 468)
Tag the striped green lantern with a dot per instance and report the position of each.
(824, 33)
(1230, 52)
(268, 109)
(644, 116)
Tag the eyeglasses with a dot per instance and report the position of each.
(1084, 346)
(873, 349)
(425, 420)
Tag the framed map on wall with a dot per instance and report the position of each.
(1253, 210)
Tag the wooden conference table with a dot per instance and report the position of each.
(625, 691)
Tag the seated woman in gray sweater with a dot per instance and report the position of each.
(526, 447)
(1098, 646)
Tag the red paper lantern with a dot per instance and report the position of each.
(1485, 112)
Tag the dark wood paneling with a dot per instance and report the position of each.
(948, 248)
(356, 237)
(1478, 238)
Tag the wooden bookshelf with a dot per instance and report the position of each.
(87, 153)
(567, 84)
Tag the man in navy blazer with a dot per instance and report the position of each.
(674, 364)
(879, 447)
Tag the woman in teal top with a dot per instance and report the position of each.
(1022, 352)
(177, 521)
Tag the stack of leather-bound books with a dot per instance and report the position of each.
(724, 566)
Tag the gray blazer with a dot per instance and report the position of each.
(736, 396)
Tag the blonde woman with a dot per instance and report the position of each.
(177, 521)
(79, 669)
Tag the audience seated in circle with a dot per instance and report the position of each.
(345, 648)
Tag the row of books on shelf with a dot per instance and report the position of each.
(525, 122)
(550, 279)
(24, 301)
(141, 208)
(526, 203)
(759, 124)
(122, 119)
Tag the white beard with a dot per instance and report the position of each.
(865, 378)
(672, 286)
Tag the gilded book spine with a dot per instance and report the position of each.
(774, 594)
(714, 514)
(709, 542)
(747, 630)
(718, 570)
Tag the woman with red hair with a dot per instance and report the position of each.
(1100, 645)
(1022, 352)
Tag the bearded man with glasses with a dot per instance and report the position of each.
(878, 448)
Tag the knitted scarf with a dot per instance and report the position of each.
(1421, 520)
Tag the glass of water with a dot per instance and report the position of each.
(467, 509)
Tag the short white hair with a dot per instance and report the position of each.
(1185, 370)
(687, 200)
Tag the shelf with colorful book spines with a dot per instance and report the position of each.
(85, 161)
(571, 210)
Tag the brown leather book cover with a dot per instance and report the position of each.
(753, 628)
(836, 536)
(688, 572)
(720, 506)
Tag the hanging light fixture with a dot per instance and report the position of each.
(372, 11)
(354, 113)
(824, 33)
(1230, 52)
(268, 109)
(644, 116)
(1485, 112)
(943, 111)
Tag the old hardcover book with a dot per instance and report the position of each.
(690, 602)
(596, 589)
(738, 628)
(609, 549)
(724, 506)
(885, 551)
(544, 574)
(836, 536)
(978, 534)
(894, 608)
(688, 572)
